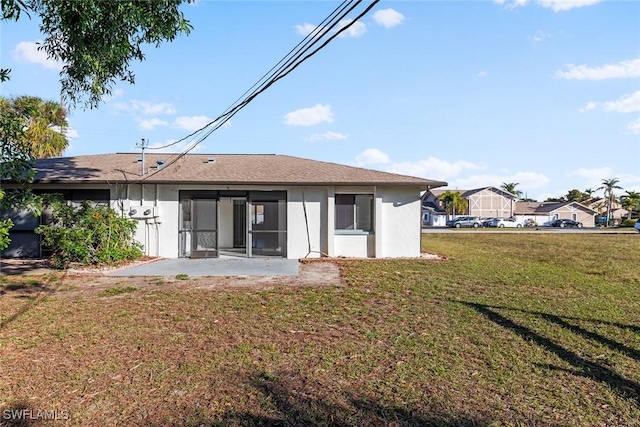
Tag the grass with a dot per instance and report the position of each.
(511, 330)
(117, 290)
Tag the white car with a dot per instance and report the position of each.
(505, 222)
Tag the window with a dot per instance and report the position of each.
(574, 216)
(354, 212)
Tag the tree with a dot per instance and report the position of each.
(609, 185)
(453, 202)
(510, 187)
(43, 123)
(631, 202)
(589, 192)
(98, 39)
(576, 195)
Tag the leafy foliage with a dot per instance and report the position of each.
(454, 202)
(41, 123)
(98, 39)
(5, 226)
(88, 235)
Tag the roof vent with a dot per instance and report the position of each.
(211, 160)
(160, 164)
(139, 160)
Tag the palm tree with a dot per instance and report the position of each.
(609, 185)
(510, 187)
(631, 202)
(44, 124)
(453, 202)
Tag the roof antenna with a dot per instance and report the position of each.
(143, 144)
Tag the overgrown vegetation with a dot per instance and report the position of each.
(511, 330)
(88, 235)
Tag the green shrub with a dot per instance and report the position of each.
(88, 235)
(5, 226)
(629, 222)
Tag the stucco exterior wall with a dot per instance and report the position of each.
(310, 219)
(398, 227)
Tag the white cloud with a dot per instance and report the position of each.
(590, 106)
(28, 52)
(191, 123)
(555, 5)
(539, 36)
(624, 104)
(327, 136)
(593, 177)
(564, 5)
(144, 107)
(512, 3)
(525, 180)
(372, 156)
(355, 30)
(388, 18)
(482, 74)
(150, 124)
(619, 70)
(634, 126)
(432, 168)
(319, 113)
(305, 29)
(67, 131)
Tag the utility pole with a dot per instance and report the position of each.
(142, 145)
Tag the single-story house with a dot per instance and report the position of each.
(481, 202)
(545, 212)
(199, 205)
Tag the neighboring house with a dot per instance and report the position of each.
(599, 204)
(545, 212)
(199, 205)
(433, 215)
(482, 202)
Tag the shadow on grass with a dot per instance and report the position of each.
(34, 293)
(291, 400)
(584, 368)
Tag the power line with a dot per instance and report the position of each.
(286, 65)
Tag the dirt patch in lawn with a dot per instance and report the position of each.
(96, 283)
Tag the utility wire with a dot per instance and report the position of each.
(276, 73)
(303, 43)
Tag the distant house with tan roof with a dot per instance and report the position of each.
(199, 205)
(542, 213)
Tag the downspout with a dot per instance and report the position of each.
(157, 224)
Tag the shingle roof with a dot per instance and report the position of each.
(263, 169)
(524, 208)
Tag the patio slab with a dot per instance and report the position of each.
(223, 266)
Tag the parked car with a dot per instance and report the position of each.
(466, 221)
(505, 222)
(563, 223)
(637, 226)
(486, 222)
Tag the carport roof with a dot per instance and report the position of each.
(227, 169)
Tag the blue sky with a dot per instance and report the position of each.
(545, 93)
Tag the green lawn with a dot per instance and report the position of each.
(513, 329)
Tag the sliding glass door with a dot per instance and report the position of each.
(198, 224)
